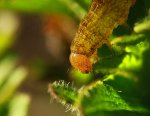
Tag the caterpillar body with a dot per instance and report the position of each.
(95, 29)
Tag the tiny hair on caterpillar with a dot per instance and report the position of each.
(95, 29)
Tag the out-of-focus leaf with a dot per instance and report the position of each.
(15, 79)
(6, 66)
(144, 26)
(34, 6)
(84, 3)
(75, 7)
(19, 105)
(138, 12)
(8, 25)
(102, 99)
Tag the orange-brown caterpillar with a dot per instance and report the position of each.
(95, 29)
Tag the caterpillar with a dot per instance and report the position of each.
(95, 29)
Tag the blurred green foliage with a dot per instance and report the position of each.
(75, 8)
(11, 73)
(11, 76)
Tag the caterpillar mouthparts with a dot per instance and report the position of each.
(81, 62)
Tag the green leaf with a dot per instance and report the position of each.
(7, 64)
(31, 6)
(15, 79)
(79, 77)
(18, 106)
(138, 11)
(63, 92)
(102, 99)
(74, 7)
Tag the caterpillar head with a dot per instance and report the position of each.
(81, 62)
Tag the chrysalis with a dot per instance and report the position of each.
(95, 29)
